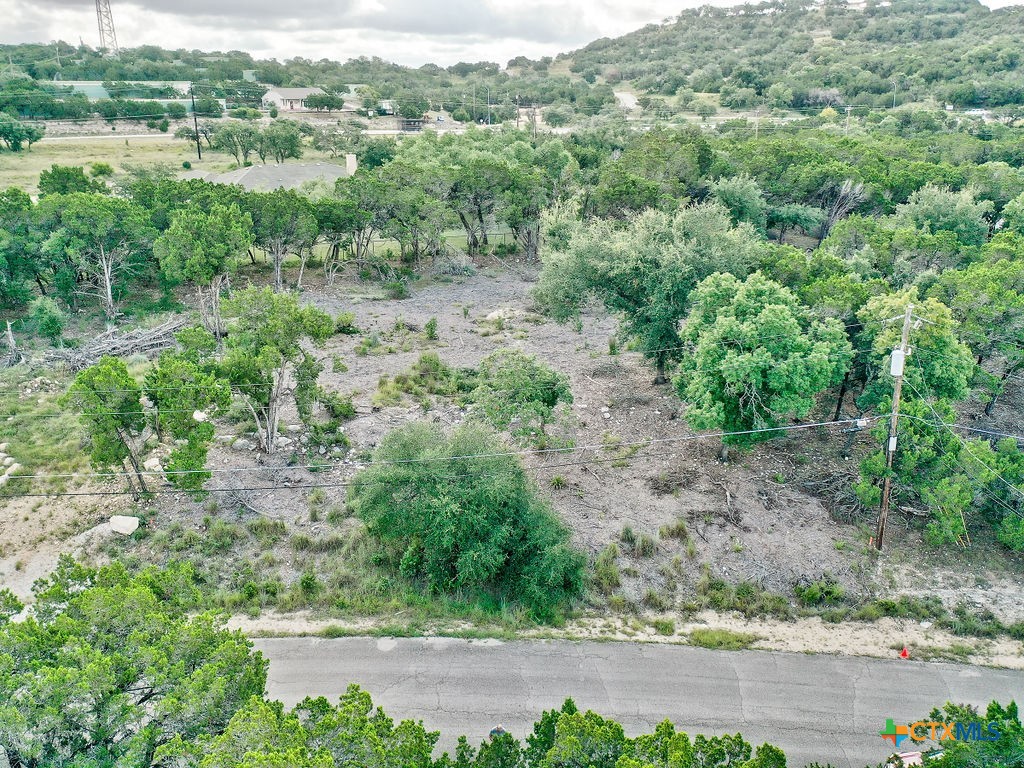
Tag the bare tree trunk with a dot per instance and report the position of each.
(842, 396)
(278, 265)
(660, 378)
(991, 403)
(134, 462)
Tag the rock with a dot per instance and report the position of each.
(124, 524)
(322, 450)
(293, 428)
(284, 442)
(8, 461)
(3, 447)
(152, 464)
(199, 416)
(606, 415)
(5, 761)
(242, 444)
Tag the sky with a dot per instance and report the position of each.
(411, 32)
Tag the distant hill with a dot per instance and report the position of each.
(798, 53)
(793, 55)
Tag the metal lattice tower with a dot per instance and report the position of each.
(108, 38)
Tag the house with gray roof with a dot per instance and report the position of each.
(288, 99)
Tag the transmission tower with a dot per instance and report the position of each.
(108, 38)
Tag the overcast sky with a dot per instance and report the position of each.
(410, 32)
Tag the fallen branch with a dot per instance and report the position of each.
(139, 341)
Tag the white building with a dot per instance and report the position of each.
(288, 99)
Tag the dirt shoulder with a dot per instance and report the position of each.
(882, 639)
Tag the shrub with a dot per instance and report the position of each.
(664, 626)
(824, 590)
(722, 639)
(646, 546)
(476, 521)
(101, 169)
(513, 385)
(396, 289)
(431, 328)
(187, 165)
(606, 571)
(48, 318)
(345, 324)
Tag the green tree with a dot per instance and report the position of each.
(109, 403)
(65, 179)
(1006, 751)
(744, 199)
(105, 240)
(186, 396)
(987, 301)
(941, 366)
(201, 246)
(283, 223)
(17, 135)
(467, 524)
(19, 245)
(263, 342)
(759, 357)
(644, 271)
(512, 386)
(784, 218)
(239, 138)
(48, 318)
(1013, 215)
(704, 110)
(115, 667)
(934, 209)
(281, 140)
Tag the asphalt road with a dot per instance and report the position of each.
(817, 708)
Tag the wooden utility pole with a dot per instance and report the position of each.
(848, 109)
(195, 119)
(896, 366)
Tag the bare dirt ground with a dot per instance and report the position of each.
(635, 463)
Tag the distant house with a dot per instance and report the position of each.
(288, 98)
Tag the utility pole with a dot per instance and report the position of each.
(757, 122)
(895, 85)
(488, 104)
(848, 110)
(195, 119)
(896, 365)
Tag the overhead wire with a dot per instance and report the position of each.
(639, 444)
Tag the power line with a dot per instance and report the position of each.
(436, 459)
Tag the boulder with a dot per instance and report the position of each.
(124, 524)
(152, 464)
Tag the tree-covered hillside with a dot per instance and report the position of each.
(813, 54)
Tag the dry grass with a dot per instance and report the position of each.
(21, 169)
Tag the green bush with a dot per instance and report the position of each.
(825, 590)
(606, 571)
(431, 328)
(48, 318)
(471, 524)
(722, 639)
(396, 289)
(512, 385)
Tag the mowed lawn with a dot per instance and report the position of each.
(21, 169)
